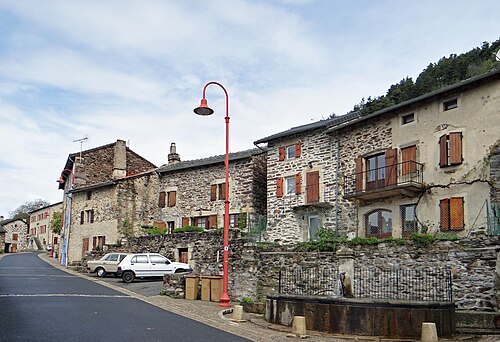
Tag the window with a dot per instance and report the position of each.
(201, 222)
(379, 223)
(170, 227)
(409, 218)
(290, 151)
(450, 104)
(15, 236)
(233, 220)
(408, 118)
(171, 198)
(218, 191)
(408, 159)
(290, 185)
(87, 216)
(89, 195)
(451, 214)
(55, 240)
(139, 259)
(112, 257)
(450, 149)
(313, 226)
(375, 172)
(157, 259)
(98, 241)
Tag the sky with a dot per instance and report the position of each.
(134, 70)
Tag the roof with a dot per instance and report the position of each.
(468, 82)
(4, 222)
(189, 164)
(309, 127)
(45, 207)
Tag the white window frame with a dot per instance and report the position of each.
(290, 151)
(287, 187)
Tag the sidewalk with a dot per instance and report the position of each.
(254, 328)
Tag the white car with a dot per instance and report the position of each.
(107, 264)
(149, 265)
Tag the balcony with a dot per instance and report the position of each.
(404, 178)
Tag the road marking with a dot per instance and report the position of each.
(62, 295)
(35, 275)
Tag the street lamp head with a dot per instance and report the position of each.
(204, 109)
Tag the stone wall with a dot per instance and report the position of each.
(20, 228)
(495, 175)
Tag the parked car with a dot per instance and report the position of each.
(107, 264)
(149, 265)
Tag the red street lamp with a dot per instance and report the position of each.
(204, 110)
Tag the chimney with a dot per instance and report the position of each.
(120, 161)
(173, 157)
(1, 218)
(79, 172)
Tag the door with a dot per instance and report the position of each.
(375, 172)
(13, 248)
(314, 224)
(183, 255)
(85, 246)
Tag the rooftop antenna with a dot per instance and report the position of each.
(81, 141)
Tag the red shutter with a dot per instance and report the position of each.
(92, 216)
(455, 143)
(103, 240)
(222, 191)
(82, 217)
(359, 174)
(298, 148)
(444, 214)
(212, 221)
(185, 221)
(456, 213)
(282, 153)
(298, 184)
(161, 199)
(408, 157)
(213, 192)
(279, 187)
(391, 167)
(443, 151)
(312, 187)
(171, 198)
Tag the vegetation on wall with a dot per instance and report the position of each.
(56, 222)
(188, 229)
(153, 230)
(447, 71)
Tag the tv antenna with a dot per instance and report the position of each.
(81, 141)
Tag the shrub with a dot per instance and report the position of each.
(188, 229)
(246, 300)
(423, 239)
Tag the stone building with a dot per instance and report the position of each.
(193, 192)
(14, 235)
(40, 235)
(109, 192)
(423, 165)
(302, 183)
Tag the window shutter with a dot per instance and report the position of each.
(408, 157)
(171, 198)
(212, 221)
(298, 184)
(391, 167)
(103, 240)
(359, 174)
(82, 217)
(282, 153)
(92, 216)
(94, 241)
(185, 221)
(443, 151)
(298, 148)
(222, 191)
(456, 213)
(161, 199)
(455, 142)
(312, 187)
(213, 192)
(444, 214)
(279, 187)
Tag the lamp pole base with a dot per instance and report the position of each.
(224, 301)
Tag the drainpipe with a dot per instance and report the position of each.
(337, 168)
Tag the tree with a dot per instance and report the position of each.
(23, 211)
(57, 222)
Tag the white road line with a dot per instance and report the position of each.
(35, 275)
(62, 295)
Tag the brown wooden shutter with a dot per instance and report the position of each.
(185, 221)
(456, 213)
(171, 198)
(82, 217)
(455, 143)
(213, 192)
(408, 157)
(359, 174)
(94, 241)
(92, 216)
(279, 187)
(298, 148)
(161, 199)
(103, 240)
(444, 214)
(298, 184)
(282, 153)
(391, 166)
(312, 187)
(443, 151)
(222, 191)
(212, 221)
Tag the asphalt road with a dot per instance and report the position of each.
(41, 303)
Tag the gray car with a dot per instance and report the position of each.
(107, 264)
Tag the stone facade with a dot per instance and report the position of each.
(15, 235)
(193, 191)
(40, 232)
(109, 194)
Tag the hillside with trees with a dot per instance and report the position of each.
(447, 71)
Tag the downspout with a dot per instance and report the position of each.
(337, 184)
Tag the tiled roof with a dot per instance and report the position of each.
(210, 160)
(309, 127)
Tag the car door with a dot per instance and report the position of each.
(110, 263)
(160, 265)
(140, 265)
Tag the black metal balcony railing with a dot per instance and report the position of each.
(388, 180)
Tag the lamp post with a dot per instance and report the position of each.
(204, 110)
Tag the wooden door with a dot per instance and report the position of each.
(85, 246)
(183, 255)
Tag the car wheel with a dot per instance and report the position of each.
(128, 276)
(101, 272)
